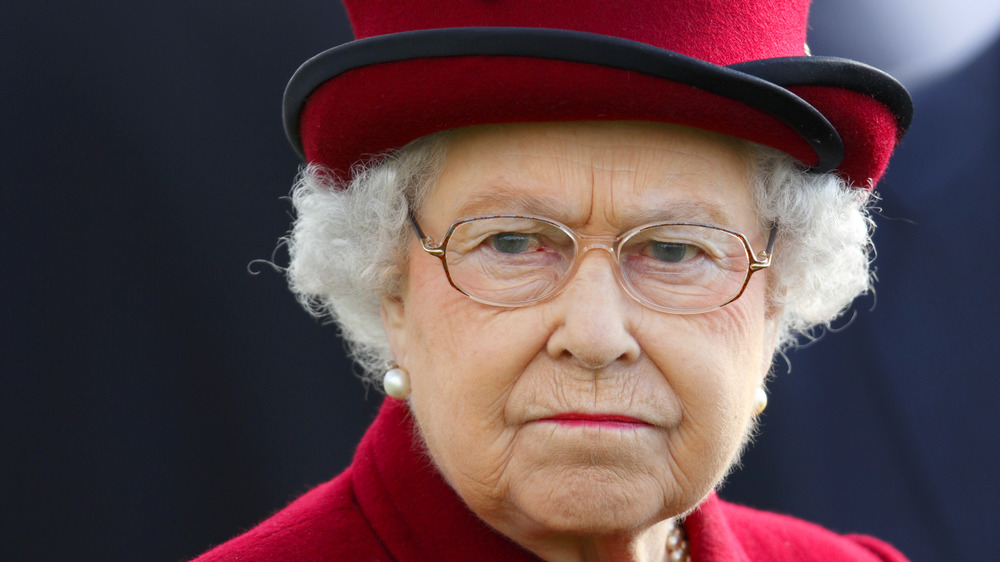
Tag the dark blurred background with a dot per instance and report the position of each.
(157, 398)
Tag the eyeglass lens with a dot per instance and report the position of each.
(519, 260)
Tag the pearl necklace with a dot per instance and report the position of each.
(677, 546)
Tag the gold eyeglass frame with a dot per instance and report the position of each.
(583, 244)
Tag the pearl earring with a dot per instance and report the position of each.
(396, 383)
(759, 401)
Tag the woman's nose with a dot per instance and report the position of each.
(596, 318)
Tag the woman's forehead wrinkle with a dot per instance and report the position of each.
(630, 186)
(564, 173)
(613, 181)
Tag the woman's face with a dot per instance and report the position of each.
(666, 399)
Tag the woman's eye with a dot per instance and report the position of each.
(672, 252)
(511, 242)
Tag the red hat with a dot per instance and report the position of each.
(737, 67)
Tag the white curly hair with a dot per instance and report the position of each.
(349, 241)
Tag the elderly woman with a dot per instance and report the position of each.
(568, 241)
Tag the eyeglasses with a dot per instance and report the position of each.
(514, 260)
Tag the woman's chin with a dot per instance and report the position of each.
(593, 501)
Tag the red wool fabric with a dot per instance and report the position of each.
(391, 504)
(719, 31)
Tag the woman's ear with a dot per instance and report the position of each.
(394, 322)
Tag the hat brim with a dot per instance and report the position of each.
(376, 94)
(870, 109)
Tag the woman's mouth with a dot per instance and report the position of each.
(609, 421)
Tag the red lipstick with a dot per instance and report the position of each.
(595, 420)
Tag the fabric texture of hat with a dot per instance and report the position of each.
(737, 67)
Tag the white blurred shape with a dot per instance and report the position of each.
(914, 40)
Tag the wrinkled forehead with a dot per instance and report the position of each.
(606, 176)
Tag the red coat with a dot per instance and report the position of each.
(392, 504)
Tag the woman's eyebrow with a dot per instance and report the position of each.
(501, 201)
(680, 211)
